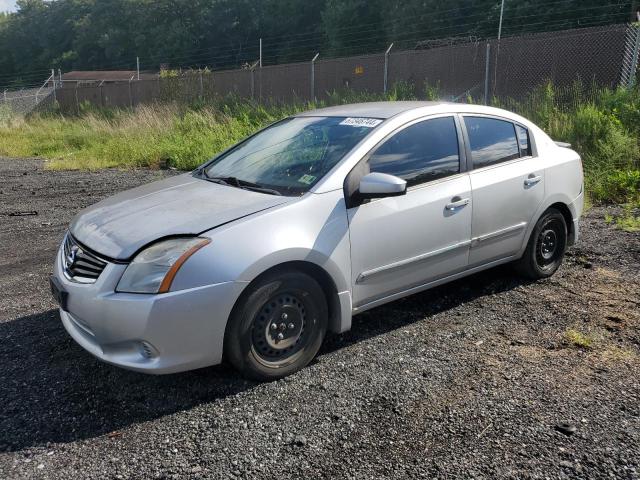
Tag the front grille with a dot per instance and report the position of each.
(79, 264)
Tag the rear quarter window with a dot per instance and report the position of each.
(491, 141)
(524, 142)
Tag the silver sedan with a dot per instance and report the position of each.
(255, 255)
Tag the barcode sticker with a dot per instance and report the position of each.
(361, 122)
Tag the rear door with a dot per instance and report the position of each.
(507, 183)
(405, 241)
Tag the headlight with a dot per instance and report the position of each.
(153, 269)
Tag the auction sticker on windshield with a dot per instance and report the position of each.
(361, 122)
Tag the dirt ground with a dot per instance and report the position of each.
(490, 376)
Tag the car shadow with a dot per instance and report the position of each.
(402, 312)
(53, 391)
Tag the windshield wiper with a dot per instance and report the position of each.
(236, 182)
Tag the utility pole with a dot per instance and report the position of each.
(500, 25)
(497, 54)
(138, 67)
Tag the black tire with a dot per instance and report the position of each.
(256, 342)
(546, 247)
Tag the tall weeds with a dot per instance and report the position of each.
(603, 125)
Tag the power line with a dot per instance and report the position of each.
(300, 46)
(306, 42)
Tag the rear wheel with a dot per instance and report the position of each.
(546, 247)
(277, 327)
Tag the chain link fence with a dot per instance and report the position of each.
(489, 71)
(27, 100)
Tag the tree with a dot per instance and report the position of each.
(109, 34)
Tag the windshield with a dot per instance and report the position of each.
(292, 155)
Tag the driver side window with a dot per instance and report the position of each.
(420, 153)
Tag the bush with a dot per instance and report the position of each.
(617, 186)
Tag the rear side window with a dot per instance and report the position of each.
(420, 153)
(523, 141)
(491, 141)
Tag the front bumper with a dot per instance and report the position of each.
(157, 334)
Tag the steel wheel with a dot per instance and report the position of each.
(277, 326)
(546, 247)
(278, 330)
(550, 243)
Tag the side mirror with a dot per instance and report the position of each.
(378, 185)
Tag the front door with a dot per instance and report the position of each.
(401, 242)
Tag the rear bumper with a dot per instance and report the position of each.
(156, 334)
(576, 207)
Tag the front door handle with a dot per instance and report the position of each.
(532, 180)
(456, 203)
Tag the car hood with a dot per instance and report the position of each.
(119, 226)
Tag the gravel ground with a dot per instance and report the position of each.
(473, 379)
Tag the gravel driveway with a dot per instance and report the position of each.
(481, 378)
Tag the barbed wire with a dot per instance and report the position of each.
(310, 41)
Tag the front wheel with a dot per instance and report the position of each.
(546, 247)
(277, 327)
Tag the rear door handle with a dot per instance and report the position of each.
(457, 202)
(532, 180)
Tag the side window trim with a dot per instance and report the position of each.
(462, 148)
(467, 142)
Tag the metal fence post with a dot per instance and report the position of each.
(252, 71)
(634, 58)
(53, 79)
(253, 86)
(260, 85)
(130, 93)
(486, 73)
(77, 102)
(313, 77)
(201, 86)
(386, 67)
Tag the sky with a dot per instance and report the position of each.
(7, 5)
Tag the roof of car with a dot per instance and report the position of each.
(369, 110)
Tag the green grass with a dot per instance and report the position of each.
(148, 136)
(578, 339)
(603, 125)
